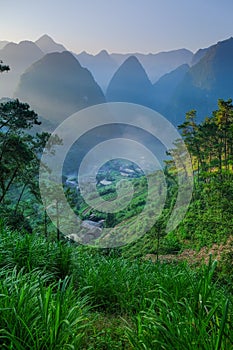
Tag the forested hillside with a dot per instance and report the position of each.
(56, 293)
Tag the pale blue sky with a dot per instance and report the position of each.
(119, 25)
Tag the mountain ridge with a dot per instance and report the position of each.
(48, 45)
(57, 86)
(205, 82)
(18, 57)
(131, 84)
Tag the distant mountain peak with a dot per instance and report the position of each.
(206, 81)
(84, 53)
(103, 53)
(19, 57)
(57, 59)
(56, 86)
(47, 44)
(132, 65)
(132, 60)
(23, 50)
(130, 83)
(212, 49)
(45, 38)
(101, 65)
(28, 44)
(23, 42)
(229, 40)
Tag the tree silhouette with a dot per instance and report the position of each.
(3, 68)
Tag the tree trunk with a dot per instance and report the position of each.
(58, 222)
(20, 197)
(8, 185)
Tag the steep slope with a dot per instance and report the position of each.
(165, 87)
(18, 57)
(3, 43)
(102, 66)
(130, 83)
(198, 56)
(48, 45)
(156, 65)
(57, 86)
(204, 83)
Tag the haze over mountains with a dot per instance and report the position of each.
(57, 83)
(130, 83)
(204, 83)
(48, 45)
(3, 43)
(101, 65)
(104, 65)
(165, 87)
(19, 57)
(57, 86)
(156, 65)
(198, 56)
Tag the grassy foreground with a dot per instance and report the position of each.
(57, 296)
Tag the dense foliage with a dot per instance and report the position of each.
(58, 295)
(210, 144)
(209, 218)
(55, 295)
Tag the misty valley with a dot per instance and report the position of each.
(116, 198)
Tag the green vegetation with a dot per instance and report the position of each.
(58, 296)
(210, 144)
(55, 294)
(3, 67)
(19, 163)
(209, 219)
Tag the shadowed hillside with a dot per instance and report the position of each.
(57, 86)
(18, 57)
(204, 83)
(131, 84)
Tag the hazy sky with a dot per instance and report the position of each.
(119, 25)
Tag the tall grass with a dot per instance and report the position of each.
(59, 296)
(198, 319)
(38, 315)
(172, 306)
(33, 251)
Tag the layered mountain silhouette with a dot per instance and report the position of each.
(166, 86)
(18, 57)
(205, 82)
(3, 43)
(131, 84)
(48, 45)
(56, 86)
(198, 56)
(156, 65)
(102, 66)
